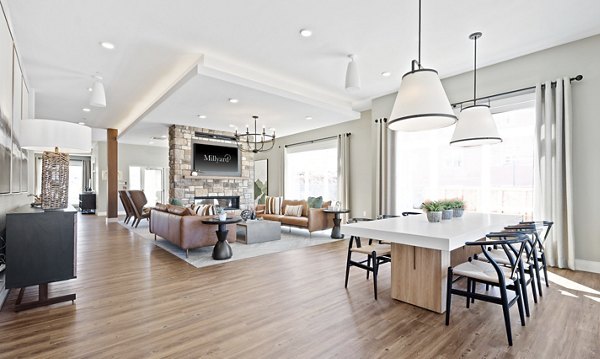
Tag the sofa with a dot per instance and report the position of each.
(312, 219)
(182, 227)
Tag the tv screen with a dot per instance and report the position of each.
(216, 159)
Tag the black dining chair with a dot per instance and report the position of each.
(493, 274)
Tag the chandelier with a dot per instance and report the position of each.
(255, 142)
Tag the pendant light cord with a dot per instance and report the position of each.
(420, 34)
(475, 73)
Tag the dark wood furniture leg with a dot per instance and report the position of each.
(43, 299)
(335, 231)
(222, 249)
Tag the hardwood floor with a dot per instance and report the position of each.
(136, 300)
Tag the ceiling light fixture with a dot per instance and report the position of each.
(202, 117)
(90, 89)
(234, 100)
(475, 126)
(421, 103)
(107, 45)
(254, 141)
(352, 78)
(98, 97)
(81, 123)
(308, 118)
(386, 74)
(85, 109)
(305, 33)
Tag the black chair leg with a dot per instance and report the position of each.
(520, 302)
(537, 274)
(469, 286)
(448, 295)
(545, 270)
(523, 289)
(533, 288)
(368, 264)
(375, 270)
(506, 313)
(348, 264)
(473, 284)
(487, 287)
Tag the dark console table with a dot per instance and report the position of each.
(87, 202)
(41, 248)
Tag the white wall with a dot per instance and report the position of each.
(361, 179)
(580, 57)
(129, 155)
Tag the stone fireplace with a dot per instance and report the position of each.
(186, 188)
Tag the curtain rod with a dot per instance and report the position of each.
(313, 141)
(553, 84)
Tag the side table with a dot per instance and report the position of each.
(222, 249)
(335, 231)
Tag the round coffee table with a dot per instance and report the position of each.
(222, 249)
(335, 231)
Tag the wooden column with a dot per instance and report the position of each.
(112, 149)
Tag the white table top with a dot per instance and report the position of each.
(446, 235)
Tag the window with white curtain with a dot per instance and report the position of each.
(311, 170)
(493, 178)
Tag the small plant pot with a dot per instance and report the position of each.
(458, 212)
(434, 217)
(447, 214)
(222, 216)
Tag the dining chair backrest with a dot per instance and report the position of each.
(513, 244)
(126, 202)
(138, 201)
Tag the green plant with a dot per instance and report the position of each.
(457, 203)
(219, 210)
(432, 206)
(446, 204)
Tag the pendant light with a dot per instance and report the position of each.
(475, 126)
(421, 103)
(352, 78)
(98, 97)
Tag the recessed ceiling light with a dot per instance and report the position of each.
(232, 126)
(386, 74)
(107, 45)
(234, 100)
(308, 118)
(202, 116)
(163, 136)
(305, 33)
(85, 109)
(150, 143)
(90, 89)
(81, 123)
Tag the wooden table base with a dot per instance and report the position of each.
(43, 299)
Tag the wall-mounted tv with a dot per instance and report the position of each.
(216, 158)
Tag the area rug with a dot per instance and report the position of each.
(202, 257)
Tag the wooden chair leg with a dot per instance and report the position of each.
(448, 295)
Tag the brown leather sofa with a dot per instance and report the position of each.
(313, 219)
(182, 227)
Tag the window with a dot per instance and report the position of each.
(496, 178)
(311, 170)
(150, 180)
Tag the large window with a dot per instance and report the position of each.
(496, 178)
(150, 180)
(311, 170)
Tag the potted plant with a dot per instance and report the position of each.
(447, 212)
(458, 206)
(221, 213)
(433, 210)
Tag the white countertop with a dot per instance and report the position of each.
(417, 231)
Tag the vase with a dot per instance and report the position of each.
(222, 216)
(447, 214)
(434, 217)
(458, 212)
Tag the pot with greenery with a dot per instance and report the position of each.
(433, 210)
(447, 212)
(458, 206)
(221, 213)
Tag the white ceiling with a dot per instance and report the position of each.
(281, 75)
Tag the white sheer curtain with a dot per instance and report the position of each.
(553, 181)
(384, 185)
(343, 152)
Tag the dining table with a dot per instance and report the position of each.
(423, 251)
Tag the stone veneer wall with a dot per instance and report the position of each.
(184, 187)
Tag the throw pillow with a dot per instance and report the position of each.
(176, 202)
(315, 202)
(294, 211)
(273, 205)
(205, 210)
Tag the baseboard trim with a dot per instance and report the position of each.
(112, 220)
(587, 266)
(103, 214)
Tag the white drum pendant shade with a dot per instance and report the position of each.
(421, 103)
(475, 127)
(45, 135)
(98, 98)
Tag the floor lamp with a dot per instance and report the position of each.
(56, 139)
